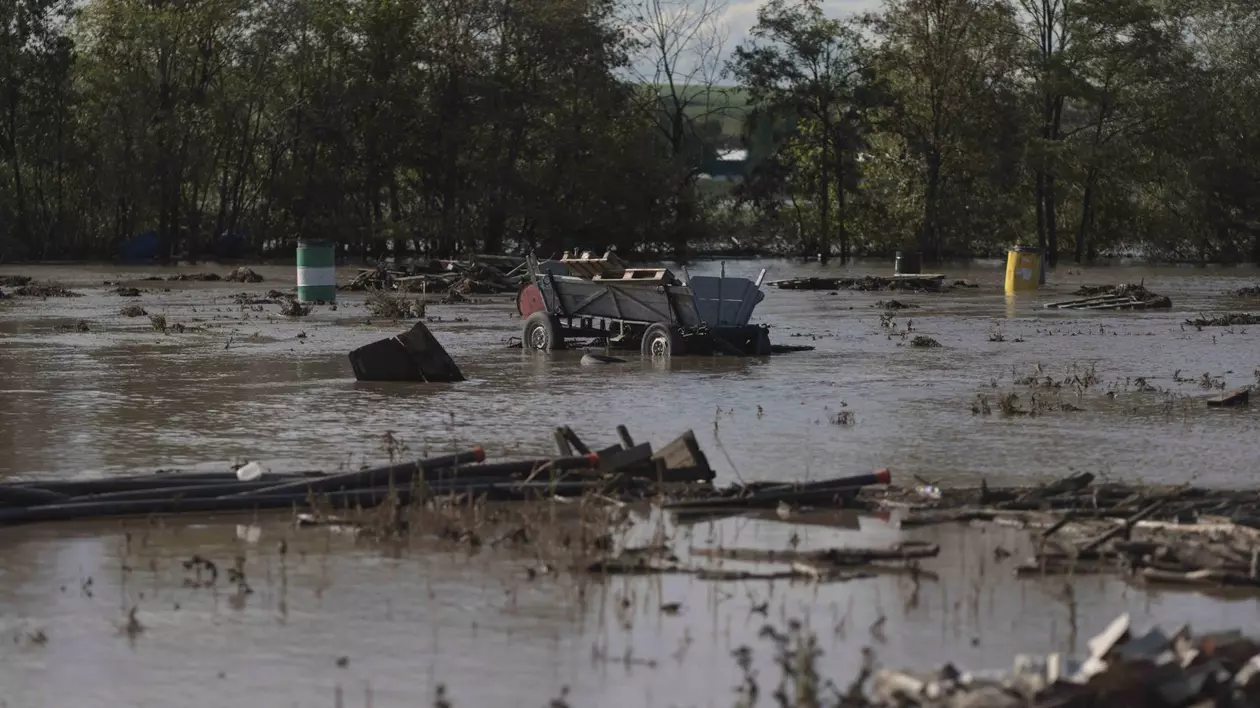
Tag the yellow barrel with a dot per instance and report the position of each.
(1023, 269)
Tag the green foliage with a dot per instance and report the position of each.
(955, 127)
(811, 71)
(1090, 127)
(475, 124)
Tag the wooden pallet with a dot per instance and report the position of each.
(654, 275)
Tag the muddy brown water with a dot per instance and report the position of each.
(121, 398)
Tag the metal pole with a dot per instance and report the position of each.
(719, 308)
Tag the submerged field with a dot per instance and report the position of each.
(383, 623)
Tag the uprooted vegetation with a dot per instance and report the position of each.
(14, 281)
(924, 342)
(290, 307)
(186, 277)
(45, 290)
(1077, 385)
(243, 275)
(1252, 291)
(393, 305)
(133, 311)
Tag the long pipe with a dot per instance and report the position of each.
(378, 476)
(73, 487)
(338, 500)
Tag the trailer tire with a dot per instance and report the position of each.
(662, 340)
(542, 332)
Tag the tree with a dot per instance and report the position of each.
(800, 63)
(677, 62)
(1050, 31)
(35, 65)
(949, 69)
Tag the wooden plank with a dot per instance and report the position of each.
(682, 452)
(621, 459)
(624, 434)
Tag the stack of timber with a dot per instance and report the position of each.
(1125, 296)
(1153, 534)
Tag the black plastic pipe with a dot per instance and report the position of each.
(377, 476)
(338, 500)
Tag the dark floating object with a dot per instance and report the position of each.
(910, 282)
(1230, 399)
(414, 355)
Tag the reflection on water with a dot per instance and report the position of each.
(407, 618)
(122, 397)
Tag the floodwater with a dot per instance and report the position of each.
(254, 385)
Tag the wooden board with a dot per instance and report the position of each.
(1229, 399)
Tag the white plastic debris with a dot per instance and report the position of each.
(249, 533)
(1102, 644)
(250, 472)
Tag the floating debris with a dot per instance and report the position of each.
(186, 277)
(243, 275)
(290, 307)
(910, 283)
(630, 472)
(1153, 669)
(45, 290)
(80, 326)
(14, 281)
(924, 342)
(1125, 296)
(1188, 536)
(126, 292)
(248, 299)
(894, 305)
(456, 278)
(1227, 320)
(1253, 291)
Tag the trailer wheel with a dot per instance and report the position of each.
(662, 340)
(542, 331)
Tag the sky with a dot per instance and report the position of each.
(742, 14)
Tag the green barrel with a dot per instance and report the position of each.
(316, 272)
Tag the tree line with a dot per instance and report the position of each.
(950, 127)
